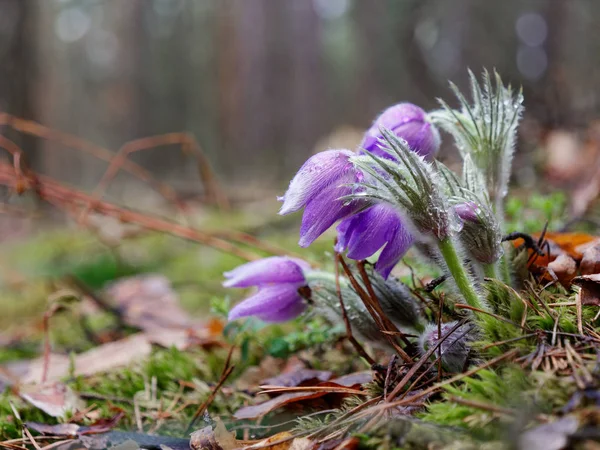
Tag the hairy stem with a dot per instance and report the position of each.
(489, 270)
(458, 272)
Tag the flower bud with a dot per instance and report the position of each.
(397, 302)
(467, 211)
(480, 234)
(326, 302)
(455, 348)
(408, 122)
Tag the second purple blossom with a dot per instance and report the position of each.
(278, 279)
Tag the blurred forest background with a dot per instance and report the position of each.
(263, 83)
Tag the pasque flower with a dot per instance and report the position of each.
(326, 178)
(318, 187)
(407, 121)
(278, 279)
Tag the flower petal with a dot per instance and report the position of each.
(370, 230)
(399, 243)
(268, 300)
(284, 315)
(276, 269)
(409, 122)
(318, 172)
(322, 212)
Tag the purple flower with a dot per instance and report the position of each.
(318, 187)
(278, 279)
(409, 122)
(365, 233)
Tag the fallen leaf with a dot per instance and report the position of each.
(99, 359)
(74, 430)
(218, 439)
(61, 429)
(354, 379)
(565, 268)
(299, 377)
(334, 391)
(272, 442)
(55, 399)
(590, 261)
(574, 244)
(114, 438)
(148, 302)
(590, 288)
(255, 411)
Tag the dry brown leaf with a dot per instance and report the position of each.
(255, 411)
(55, 399)
(565, 268)
(72, 429)
(218, 439)
(272, 442)
(590, 288)
(100, 359)
(148, 302)
(300, 377)
(573, 244)
(333, 390)
(354, 379)
(590, 262)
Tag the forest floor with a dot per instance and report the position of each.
(124, 342)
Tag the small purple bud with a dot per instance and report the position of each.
(278, 279)
(408, 122)
(468, 211)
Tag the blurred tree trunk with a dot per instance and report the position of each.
(306, 108)
(18, 65)
(557, 99)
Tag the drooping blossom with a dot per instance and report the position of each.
(278, 279)
(407, 121)
(363, 234)
(318, 187)
(327, 177)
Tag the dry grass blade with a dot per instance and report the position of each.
(227, 369)
(188, 144)
(70, 141)
(329, 389)
(372, 305)
(66, 198)
(484, 406)
(359, 348)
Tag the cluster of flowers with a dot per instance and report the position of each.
(364, 228)
(391, 193)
